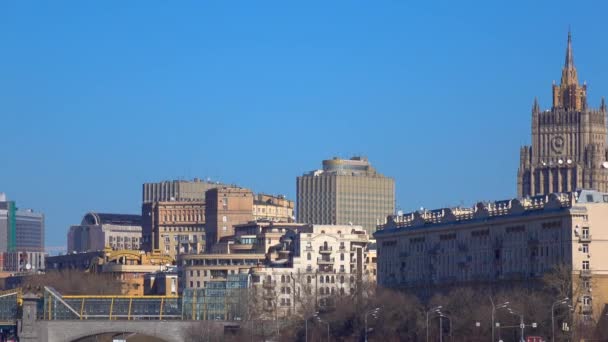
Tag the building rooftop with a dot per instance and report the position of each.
(487, 210)
(93, 218)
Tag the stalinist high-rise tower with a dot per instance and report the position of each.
(568, 149)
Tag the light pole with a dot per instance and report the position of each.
(442, 315)
(563, 301)
(316, 315)
(427, 320)
(522, 326)
(374, 313)
(494, 308)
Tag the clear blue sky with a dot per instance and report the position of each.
(99, 97)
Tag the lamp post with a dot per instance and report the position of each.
(316, 315)
(494, 308)
(374, 313)
(522, 326)
(442, 315)
(427, 320)
(563, 301)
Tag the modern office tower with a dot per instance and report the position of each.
(177, 190)
(224, 208)
(21, 230)
(568, 150)
(502, 243)
(100, 230)
(345, 191)
(174, 227)
(272, 208)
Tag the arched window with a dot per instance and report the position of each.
(321, 279)
(333, 291)
(352, 279)
(325, 245)
(288, 290)
(308, 257)
(309, 279)
(342, 291)
(322, 291)
(282, 279)
(327, 279)
(269, 278)
(341, 279)
(333, 279)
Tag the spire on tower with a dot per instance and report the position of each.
(535, 106)
(569, 55)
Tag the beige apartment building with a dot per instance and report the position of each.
(272, 208)
(174, 227)
(345, 191)
(503, 241)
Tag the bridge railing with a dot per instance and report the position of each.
(58, 307)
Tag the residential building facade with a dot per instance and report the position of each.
(100, 230)
(503, 242)
(568, 150)
(272, 208)
(345, 191)
(224, 208)
(178, 190)
(174, 227)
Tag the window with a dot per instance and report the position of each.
(198, 273)
(586, 300)
(341, 256)
(321, 279)
(586, 232)
(586, 248)
(198, 284)
(308, 256)
(288, 290)
(191, 284)
(224, 219)
(586, 264)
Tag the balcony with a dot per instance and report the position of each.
(308, 248)
(342, 248)
(584, 238)
(269, 284)
(326, 269)
(325, 261)
(586, 308)
(325, 249)
(585, 273)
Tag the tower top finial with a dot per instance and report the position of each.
(569, 55)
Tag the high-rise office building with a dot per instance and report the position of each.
(345, 191)
(20, 229)
(568, 150)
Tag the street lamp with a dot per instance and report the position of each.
(563, 301)
(306, 326)
(427, 320)
(494, 308)
(374, 313)
(316, 315)
(441, 316)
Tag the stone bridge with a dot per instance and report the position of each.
(73, 330)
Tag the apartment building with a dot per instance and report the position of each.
(272, 208)
(174, 227)
(501, 242)
(224, 208)
(178, 190)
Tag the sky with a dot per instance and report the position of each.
(97, 98)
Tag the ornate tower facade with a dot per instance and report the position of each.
(568, 149)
